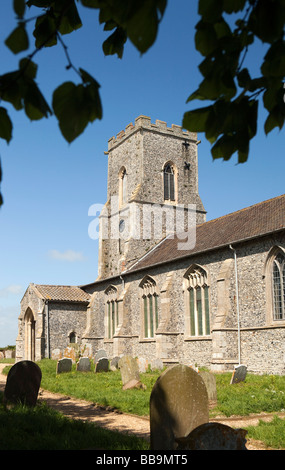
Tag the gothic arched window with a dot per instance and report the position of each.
(112, 314)
(169, 182)
(278, 287)
(149, 307)
(197, 299)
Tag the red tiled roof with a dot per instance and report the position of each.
(251, 222)
(62, 293)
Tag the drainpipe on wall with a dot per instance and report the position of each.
(237, 299)
(47, 319)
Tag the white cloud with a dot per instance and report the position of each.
(13, 289)
(68, 255)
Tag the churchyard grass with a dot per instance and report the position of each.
(257, 394)
(42, 428)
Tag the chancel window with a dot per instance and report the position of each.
(278, 287)
(197, 299)
(169, 183)
(149, 307)
(112, 313)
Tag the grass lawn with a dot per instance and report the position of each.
(255, 395)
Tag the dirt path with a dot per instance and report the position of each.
(87, 411)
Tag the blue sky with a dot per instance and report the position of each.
(48, 185)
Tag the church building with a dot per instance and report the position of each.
(170, 284)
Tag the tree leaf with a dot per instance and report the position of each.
(18, 40)
(205, 38)
(45, 31)
(5, 127)
(35, 104)
(114, 44)
(19, 7)
(75, 106)
(70, 20)
(195, 121)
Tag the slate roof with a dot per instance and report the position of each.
(62, 293)
(254, 221)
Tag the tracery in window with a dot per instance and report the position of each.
(278, 287)
(197, 299)
(149, 307)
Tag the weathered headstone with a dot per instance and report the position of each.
(99, 354)
(56, 354)
(102, 365)
(64, 365)
(239, 374)
(23, 383)
(70, 353)
(114, 363)
(83, 365)
(129, 369)
(210, 382)
(213, 436)
(178, 404)
(156, 364)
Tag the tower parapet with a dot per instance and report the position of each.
(144, 122)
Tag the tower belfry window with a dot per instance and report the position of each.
(169, 183)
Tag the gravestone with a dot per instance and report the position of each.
(213, 436)
(114, 363)
(99, 354)
(83, 365)
(178, 404)
(129, 369)
(64, 365)
(70, 353)
(102, 365)
(239, 374)
(23, 383)
(210, 382)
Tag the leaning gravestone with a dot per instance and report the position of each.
(210, 382)
(213, 436)
(102, 365)
(129, 371)
(23, 383)
(114, 363)
(83, 365)
(64, 365)
(178, 404)
(239, 374)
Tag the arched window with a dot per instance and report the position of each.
(112, 313)
(169, 182)
(122, 186)
(72, 337)
(197, 300)
(149, 307)
(278, 287)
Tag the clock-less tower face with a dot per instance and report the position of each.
(152, 170)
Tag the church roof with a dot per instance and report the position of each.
(246, 224)
(62, 293)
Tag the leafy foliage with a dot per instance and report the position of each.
(231, 121)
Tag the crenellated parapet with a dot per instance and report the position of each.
(144, 122)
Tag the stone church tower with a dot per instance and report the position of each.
(152, 192)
